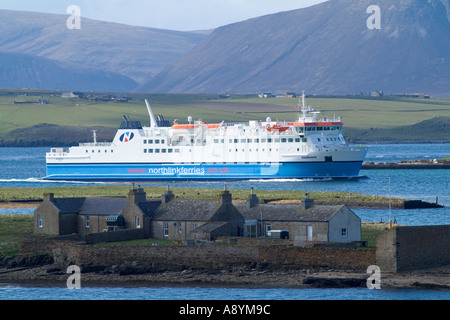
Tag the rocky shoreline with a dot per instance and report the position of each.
(49, 275)
(416, 164)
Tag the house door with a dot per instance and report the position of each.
(309, 233)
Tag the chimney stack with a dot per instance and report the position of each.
(167, 196)
(252, 199)
(307, 202)
(225, 197)
(137, 195)
(49, 197)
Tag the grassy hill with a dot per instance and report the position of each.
(68, 121)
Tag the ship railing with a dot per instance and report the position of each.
(232, 124)
(95, 144)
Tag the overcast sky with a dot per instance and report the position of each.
(182, 15)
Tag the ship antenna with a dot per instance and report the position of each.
(303, 104)
(153, 123)
(303, 107)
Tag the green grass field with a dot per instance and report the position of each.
(10, 194)
(357, 112)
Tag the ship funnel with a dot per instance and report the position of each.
(153, 123)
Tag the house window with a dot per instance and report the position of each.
(179, 227)
(344, 232)
(87, 222)
(166, 229)
(193, 226)
(40, 222)
(138, 222)
(309, 233)
(268, 228)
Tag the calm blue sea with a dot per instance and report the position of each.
(24, 167)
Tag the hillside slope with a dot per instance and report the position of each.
(323, 49)
(25, 71)
(135, 52)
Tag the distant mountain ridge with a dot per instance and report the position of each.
(115, 51)
(25, 71)
(323, 49)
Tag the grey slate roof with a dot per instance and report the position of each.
(149, 207)
(68, 205)
(91, 206)
(288, 212)
(187, 210)
(103, 206)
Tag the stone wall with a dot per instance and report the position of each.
(160, 258)
(118, 235)
(409, 248)
(318, 258)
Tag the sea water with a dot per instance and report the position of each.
(20, 292)
(25, 167)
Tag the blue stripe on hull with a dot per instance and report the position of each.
(200, 172)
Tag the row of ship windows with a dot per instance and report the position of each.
(161, 150)
(302, 129)
(106, 151)
(190, 150)
(263, 140)
(257, 140)
(333, 139)
(156, 141)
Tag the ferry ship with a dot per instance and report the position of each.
(308, 148)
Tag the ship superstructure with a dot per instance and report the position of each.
(306, 148)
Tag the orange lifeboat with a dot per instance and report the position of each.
(276, 127)
(183, 126)
(211, 125)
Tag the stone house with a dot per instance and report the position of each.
(305, 223)
(181, 219)
(64, 216)
(187, 219)
(168, 218)
(139, 212)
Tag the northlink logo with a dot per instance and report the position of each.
(127, 136)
